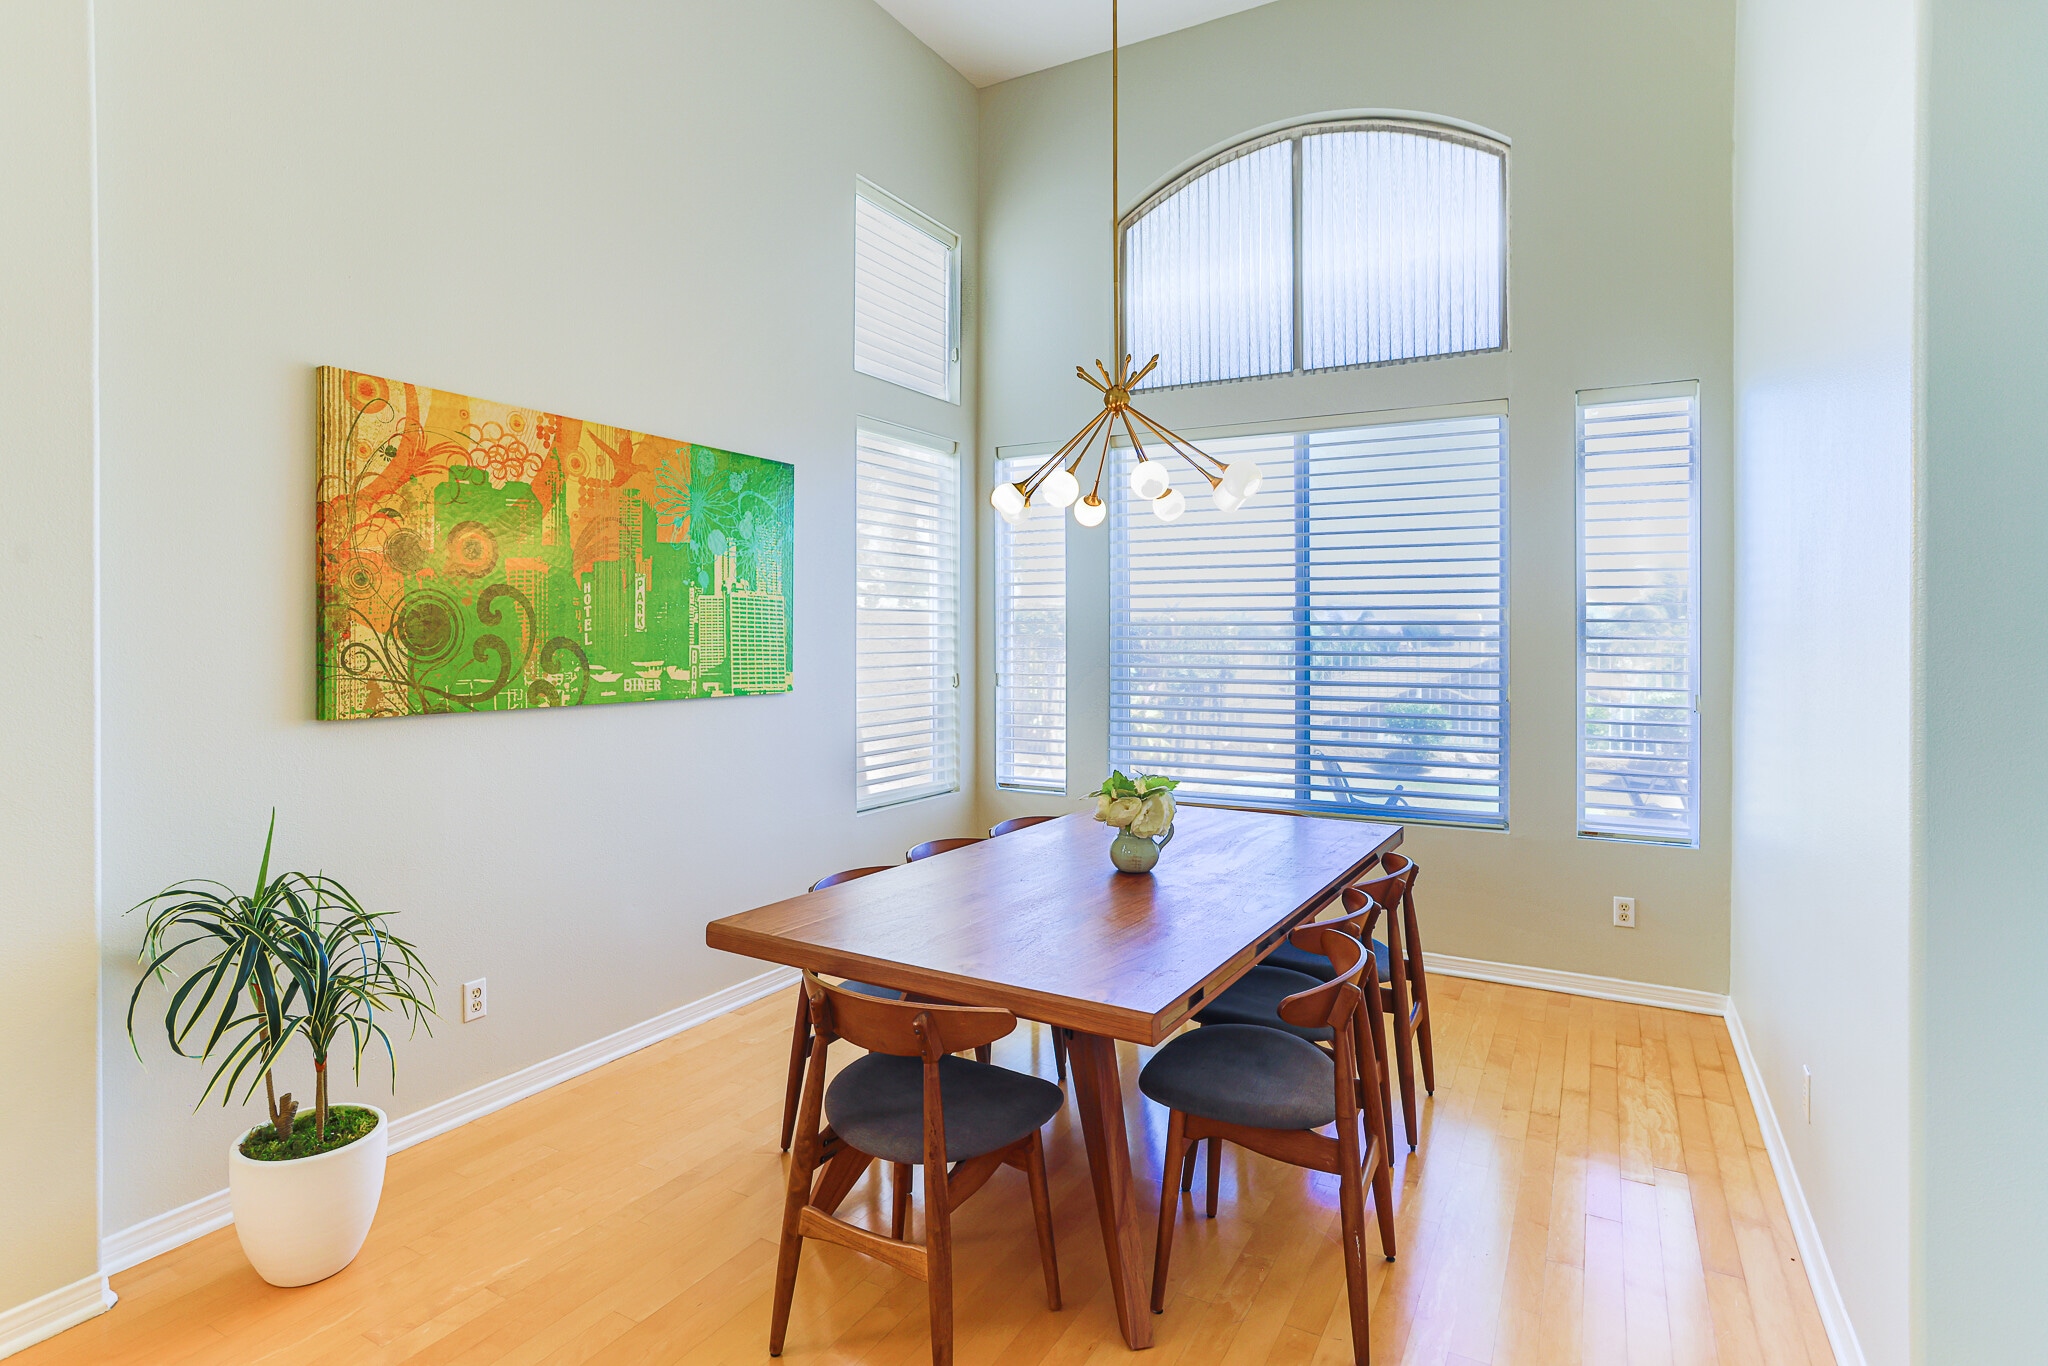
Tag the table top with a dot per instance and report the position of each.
(1039, 922)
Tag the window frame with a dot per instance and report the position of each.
(1594, 398)
(945, 450)
(1259, 140)
(1009, 461)
(1301, 428)
(875, 195)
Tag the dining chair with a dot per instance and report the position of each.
(910, 1103)
(930, 847)
(1404, 984)
(1272, 1091)
(1017, 823)
(800, 1037)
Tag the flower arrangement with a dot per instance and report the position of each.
(1141, 804)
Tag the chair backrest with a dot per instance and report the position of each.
(1017, 823)
(930, 847)
(1388, 889)
(834, 879)
(1353, 1018)
(1361, 918)
(905, 1028)
(1328, 1003)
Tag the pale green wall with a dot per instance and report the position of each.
(1620, 118)
(1984, 1016)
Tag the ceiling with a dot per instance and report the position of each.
(992, 40)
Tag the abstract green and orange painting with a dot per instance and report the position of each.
(477, 556)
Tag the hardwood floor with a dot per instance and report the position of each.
(1591, 1187)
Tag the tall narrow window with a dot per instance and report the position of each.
(906, 672)
(1031, 648)
(906, 296)
(1339, 644)
(1639, 732)
(1331, 244)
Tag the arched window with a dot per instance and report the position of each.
(1330, 244)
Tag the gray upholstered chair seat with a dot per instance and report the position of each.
(1244, 1074)
(877, 1105)
(1254, 999)
(1315, 965)
(870, 989)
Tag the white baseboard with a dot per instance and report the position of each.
(1834, 1314)
(153, 1237)
(1827, 1296)
(25, 1325)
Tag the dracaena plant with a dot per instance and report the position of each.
(297, 956)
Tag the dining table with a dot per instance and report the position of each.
(1039, 923)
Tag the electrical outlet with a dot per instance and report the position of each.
(1806, 1092)
(475, 1001)
(1625, 912)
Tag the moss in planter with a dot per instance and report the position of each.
(345, 1124)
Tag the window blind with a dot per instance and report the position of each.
(1031, 647)
(906, 679)
(1639, 741)
(903, 295)
(1338, 644)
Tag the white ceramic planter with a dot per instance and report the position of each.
(303, 1220)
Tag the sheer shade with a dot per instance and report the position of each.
(1336, 645)
(903, 297)
(1031, 647)
(1330, 246)
(1639, 741)
(906, 682)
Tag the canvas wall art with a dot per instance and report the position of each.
(480, 556)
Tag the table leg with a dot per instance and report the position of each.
(1098, 1091)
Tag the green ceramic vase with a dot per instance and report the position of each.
(1137, 853)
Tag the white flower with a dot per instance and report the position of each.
(1155, 814)
(1102, 802)
(1123, 810)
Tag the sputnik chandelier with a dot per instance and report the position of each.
(1057, 482)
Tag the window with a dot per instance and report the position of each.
(906, 670)
(906, 296)
(1031, 647)
(1336, 645)
(1329, 245)
(1639, 733)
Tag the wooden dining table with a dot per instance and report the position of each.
(1039, 923)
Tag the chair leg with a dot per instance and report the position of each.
(1177, 1151)
(1418, 978)
(1215, 1172)
(1403, 1025)
(1187, 1166)
(1350, 1203)
(799, 1050)
(984, 1053)
(899, 1194)
(1041, 1213)
(1059, 1053)
(798, 1195)
(1383, 1203)
(938, 1255)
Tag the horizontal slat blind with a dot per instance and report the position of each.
(907, 625)
(1336, 645)
(1031, 648)
(1639, 742)
(902, 301)
(1210, 274)
(1403, 239)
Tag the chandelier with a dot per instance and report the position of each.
(1057, 482)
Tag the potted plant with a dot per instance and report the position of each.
(1140, 809)
(298, 957)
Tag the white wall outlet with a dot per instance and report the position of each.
(1625, 912)
(1806, 1092)
(475, 1000)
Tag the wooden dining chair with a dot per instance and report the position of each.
(1404, 984)
(800, 1036)
(931, 847)
(910, 1103)
(1273, 1092)
(1017, 823)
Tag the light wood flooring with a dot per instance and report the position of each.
(1591, 1187)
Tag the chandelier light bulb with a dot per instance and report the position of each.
(1168, 506)
(1226, 501)
(1149, 479)
(1060, 488)
(1090, 511)
(1243, 477)
(1007, 499)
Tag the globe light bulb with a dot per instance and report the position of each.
(1090, 511)
(1007, 499)
(1243, 477)
(1225, 500)
(1168, 506)
(1060, 489)
(1149, 479)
